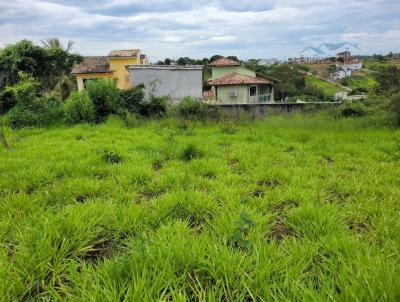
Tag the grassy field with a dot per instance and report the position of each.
(289, 208)
(362, 80)
(375, 65)
(326, 87)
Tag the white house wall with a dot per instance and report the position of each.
(176, 83)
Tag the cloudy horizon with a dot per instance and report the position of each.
(170, 28)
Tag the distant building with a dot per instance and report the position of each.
(233, 84)
(268, 62)
(111, 66)
(346, 65)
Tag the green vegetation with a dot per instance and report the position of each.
(327, 87)
(363, 81)
(289, 208)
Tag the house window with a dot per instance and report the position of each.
(253, 91)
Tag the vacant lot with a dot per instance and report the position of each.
(301, 208)
(327, 87)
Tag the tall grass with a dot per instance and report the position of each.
(289, 208)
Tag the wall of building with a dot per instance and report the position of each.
(81, 77)
(220, 71)
(176, 83)
(222, 94)
(117, 66)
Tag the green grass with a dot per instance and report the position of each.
(326, 87)
(287, 209)
(366, 81)
(375, 65)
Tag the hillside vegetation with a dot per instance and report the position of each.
(289, 208)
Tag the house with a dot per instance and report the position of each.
(111, 66)
(268, 62)
(169, 80)
(347, 64)
(233, 84)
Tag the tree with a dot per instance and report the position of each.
(388, 79)
(62, 64)
(167, 61)
(215, 57)
(51, 65)
(26, 57)
(55, 43)
(234, 58)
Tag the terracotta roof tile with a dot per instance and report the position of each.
(124, 53)
(92, 65)
(237, 79)
(224, 62)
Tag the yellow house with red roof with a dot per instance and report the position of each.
(233, 84)
(111, 66)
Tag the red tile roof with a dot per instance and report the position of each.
(237, 79)
(99, 64)
(224, 62)
(124, 53)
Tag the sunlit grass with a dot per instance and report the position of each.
(288, 208)
(325, 86)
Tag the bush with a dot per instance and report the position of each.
(359, 90)
(354, 109)
(314, 91)
(38, 112)
(191, 152)
(395, 107)
(345, 81)
(130, 119)
(190, 108)
(132, 99)
(79, 108)
(156, 106)
(105, 96)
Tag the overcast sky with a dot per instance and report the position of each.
(199, 28)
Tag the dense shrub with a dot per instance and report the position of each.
(395, 107)
(130, 119)
(38, 112)
(190, 108)
(105, 96)
(79, 108)
(28, 108)
(314, 92)
(132, 99)
(195, 109)
(359, 90)
(156, 106)
(191, 152)
(345, 81)
(354, 109)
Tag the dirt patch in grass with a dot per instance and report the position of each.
(359, 226)
(336, 196)
(280, 230)
(80, 198)
(264, 185)
(283, 205)
(270, 183)
(327, 159)
(158, 164)
(104, 249)
(148, 194)
(233, 163)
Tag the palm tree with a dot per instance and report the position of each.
(61, 81)
(56, 43)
